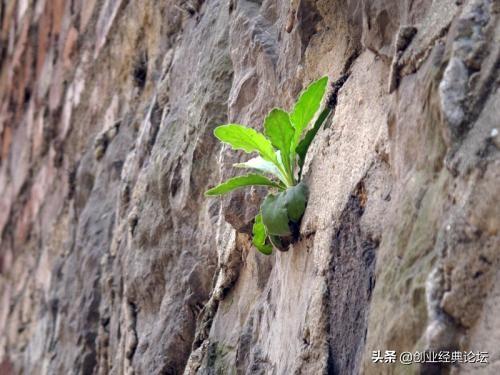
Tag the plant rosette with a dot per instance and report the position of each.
(282, 150)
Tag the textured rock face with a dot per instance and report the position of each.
(113, 261)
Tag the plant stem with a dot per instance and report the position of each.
(288, 176)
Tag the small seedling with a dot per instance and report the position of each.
(282, 151)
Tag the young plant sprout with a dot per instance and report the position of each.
(282, 151)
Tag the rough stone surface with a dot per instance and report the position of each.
(111, 259)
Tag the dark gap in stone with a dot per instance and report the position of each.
(140, 72)
(350, 284)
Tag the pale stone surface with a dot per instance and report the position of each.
(111, 259)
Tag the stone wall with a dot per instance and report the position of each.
(111, 259)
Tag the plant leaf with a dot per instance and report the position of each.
(260, 235)
(279, 129)
(304, 144)
(296, 200)
(241, 181)
(276, 242)
(240, 137)
(262, 165)
(307, 105)
(275, 215)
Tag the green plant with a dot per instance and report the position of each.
(282, 151)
